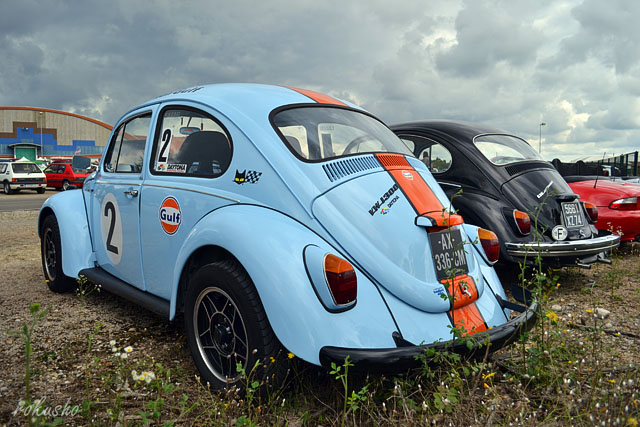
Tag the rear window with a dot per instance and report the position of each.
(25, 168)
(320, 133)
(505, 149)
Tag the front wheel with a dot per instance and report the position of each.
(51, 251)
(227, 327)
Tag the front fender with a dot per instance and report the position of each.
(270, 246)
(69, 209)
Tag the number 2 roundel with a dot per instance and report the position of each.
(111, 227)
(170, 215)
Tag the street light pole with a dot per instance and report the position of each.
(540, 139)
(41, 152)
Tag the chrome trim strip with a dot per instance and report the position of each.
(193, 191)
(565, 248)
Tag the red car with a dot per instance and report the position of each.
(617, 203)
(64, 176)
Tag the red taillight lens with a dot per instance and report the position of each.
(490, 244)
(14, 179)
(592, 211)
(630, 203)
(522, 221)
(341, 278)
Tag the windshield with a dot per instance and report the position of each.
(319, 133)
(505, 149)
(25, 168)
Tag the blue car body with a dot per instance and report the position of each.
(137, 226)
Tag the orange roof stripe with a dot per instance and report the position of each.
(317, 96)
(49, 110)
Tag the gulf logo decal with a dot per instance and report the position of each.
(170, 215)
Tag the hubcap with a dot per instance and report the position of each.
(49, 254)
(220, 333)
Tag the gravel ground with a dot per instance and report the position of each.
(60, 340)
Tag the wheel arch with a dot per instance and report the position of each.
(253, 236)
(75, 239)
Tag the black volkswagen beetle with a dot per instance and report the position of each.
(509, 189)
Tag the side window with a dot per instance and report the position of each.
(190, 142)
(126, 151)
(3, 167)
(409, 143)
(433, 154)
(436, 157)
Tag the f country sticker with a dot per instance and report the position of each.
(170, 215)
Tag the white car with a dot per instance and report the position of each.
(18, 176)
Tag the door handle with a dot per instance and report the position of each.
(132, 193)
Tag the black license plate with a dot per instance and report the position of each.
(448, 252)
(572, 215)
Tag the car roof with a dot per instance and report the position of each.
(244, 100)
(461, 130)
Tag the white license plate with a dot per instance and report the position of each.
(572, 215)
(30, 185)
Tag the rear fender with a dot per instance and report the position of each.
(69, 209)
(270, 246)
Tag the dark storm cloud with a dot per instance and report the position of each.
(510, 64)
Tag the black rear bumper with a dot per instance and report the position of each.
(403, 358)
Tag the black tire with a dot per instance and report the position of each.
(7, 189)
(51, 253)
(226, 324)
(40, 190)
(65, 185)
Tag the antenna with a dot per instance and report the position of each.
(596, 183)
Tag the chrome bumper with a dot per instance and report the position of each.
(577, 248)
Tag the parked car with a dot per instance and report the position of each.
(278, 219)
(21, 175)
(64, 176)
(617, 203)
(497, 181)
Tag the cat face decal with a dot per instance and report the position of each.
(246, 177)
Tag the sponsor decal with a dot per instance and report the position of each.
(247, 177)
(540, 194)
(170, 215)
(383, 199)
(177, 168)
(407, 175)
(439, 291)
(385, 209)
(162, 167)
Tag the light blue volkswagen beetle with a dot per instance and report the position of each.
(278, 219)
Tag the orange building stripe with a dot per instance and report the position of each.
(66, 113)
(317, 96)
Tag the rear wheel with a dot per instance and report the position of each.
(7, 188)
(40, 190)
(51, 251)
(227, 326)
(65, 185)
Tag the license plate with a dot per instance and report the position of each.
(30, 185)
(448, 252)
(572, 215)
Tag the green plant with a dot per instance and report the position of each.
(26, 334)
(85, 287)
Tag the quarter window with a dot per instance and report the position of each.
(433, 154)
(191, 143)
(126, 152)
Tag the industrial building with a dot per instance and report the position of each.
(45, 134)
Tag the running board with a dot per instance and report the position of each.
(116, 286)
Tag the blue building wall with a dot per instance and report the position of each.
(50, 145)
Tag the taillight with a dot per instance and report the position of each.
(490, 244)
(522, 221)
(14, 179)
(630, 203)
(341, 278)
(592, 211)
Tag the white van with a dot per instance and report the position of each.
(20, 175)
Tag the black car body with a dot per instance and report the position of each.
(502, 178)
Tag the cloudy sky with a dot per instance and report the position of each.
(573, 64)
